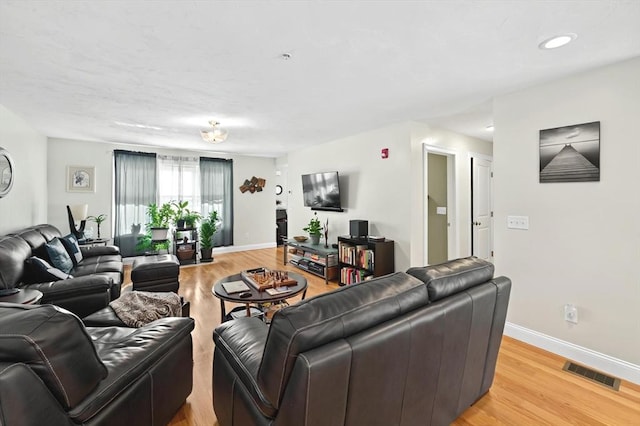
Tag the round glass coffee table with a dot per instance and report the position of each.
(256, 297)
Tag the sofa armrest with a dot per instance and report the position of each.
(80, 295)
(25, 400)
(241, 343)
(90, 284)
(90, 251)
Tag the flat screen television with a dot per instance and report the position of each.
(321, 191)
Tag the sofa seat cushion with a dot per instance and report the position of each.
(454, 276)
(327, 317)
(97, 264)
(129, 354)
(55, 345)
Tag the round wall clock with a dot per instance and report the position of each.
(7, 172)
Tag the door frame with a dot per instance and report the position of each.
(471, 156)
(452, 210)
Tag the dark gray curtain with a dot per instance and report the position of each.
(216, 186)
(135, 188)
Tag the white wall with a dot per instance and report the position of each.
(462, 146)
(254, 214)
(372, 188)
(386, 192)
(26, 203)
(583, 245)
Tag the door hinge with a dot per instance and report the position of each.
(491, 253)
(491, 214)
(491, 174)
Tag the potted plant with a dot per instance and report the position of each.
(159, 219)
(314, 229)
(179, 213)
(190, 218)
(208, 227)
(98, 220)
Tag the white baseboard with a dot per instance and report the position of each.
(596, 360)
(231, 249)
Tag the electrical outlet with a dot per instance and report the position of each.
(571, 313)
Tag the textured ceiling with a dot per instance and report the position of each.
(154, 72)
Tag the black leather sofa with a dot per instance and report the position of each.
(404, 349)
(54, 371)
(97, 277)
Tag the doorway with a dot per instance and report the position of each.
(439, 205)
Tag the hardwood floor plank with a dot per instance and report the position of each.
(530, 387)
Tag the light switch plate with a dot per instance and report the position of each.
(518, 222)
(441, 210)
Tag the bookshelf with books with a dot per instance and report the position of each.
(363, 258)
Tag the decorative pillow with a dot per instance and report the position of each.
(58, 255)
(39, 271)
(70, 243)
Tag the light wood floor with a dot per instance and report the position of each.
(530, 387)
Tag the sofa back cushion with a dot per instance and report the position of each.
(331, 316)
(453, 277)
(55, 345)
(13, 253)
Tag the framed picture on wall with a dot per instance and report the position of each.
(81, 179)
(570, 153)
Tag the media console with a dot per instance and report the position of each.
(315, 259)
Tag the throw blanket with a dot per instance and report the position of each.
(137, 308)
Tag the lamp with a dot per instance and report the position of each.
(215, 134)
(79, 212)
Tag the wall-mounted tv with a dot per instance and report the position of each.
(321, 191)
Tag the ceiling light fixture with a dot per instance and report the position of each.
(215, 134)
(557, 41)
(489, 128)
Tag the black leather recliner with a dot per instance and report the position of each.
(54, 371)
(97, 278)
(396, 350)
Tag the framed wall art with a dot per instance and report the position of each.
(570, 153)
(81, 179)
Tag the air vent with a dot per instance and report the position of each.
(595, 376)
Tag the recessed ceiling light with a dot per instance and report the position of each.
(557, 41)
(489, 128)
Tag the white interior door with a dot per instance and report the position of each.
(482, 214)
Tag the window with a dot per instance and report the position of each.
(179, 180)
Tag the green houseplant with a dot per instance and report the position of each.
(314, 228)
(208, 227)
(98, 220)
(157, 227)
(180, 211)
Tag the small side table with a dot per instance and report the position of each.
(94, 242)
(25, 297)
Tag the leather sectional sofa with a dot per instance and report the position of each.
(56, 371)
(96, 281)
(404, 349)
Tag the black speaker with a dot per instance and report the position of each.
(358, 228)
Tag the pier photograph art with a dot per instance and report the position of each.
(570, 153)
